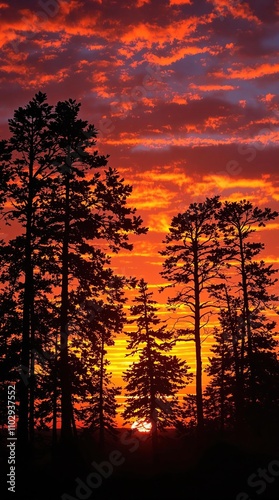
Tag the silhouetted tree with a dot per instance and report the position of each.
(193, 260)
(231, 334)
(237, 221)
(27, 156)
(99, 321)
(155, 378)
(221, 394)
(87, 216)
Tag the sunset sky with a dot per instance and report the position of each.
(184, 94)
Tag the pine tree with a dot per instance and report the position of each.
(99, 321)
(231, 333)
(154, 380)
(27, 156)
(86, 216)
(237, 221)
(193, 260)
(221, 395)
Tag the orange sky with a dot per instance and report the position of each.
(183, 93)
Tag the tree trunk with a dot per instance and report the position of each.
(247, 320)
(242, 348)
(66, 403)
(222, 394)
(153, 411)
(32, 374)
(54, 400)
(199, 396)
(101, 398)
(22, 432)
(238, 393)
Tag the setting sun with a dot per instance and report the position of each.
(142, 426)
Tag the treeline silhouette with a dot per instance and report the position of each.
(62, 303)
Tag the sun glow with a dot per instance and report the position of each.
(142, 426)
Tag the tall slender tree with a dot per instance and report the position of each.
(29, 163)
(237, 221)
(193, 259)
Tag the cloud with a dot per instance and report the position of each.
(236, 9)
(213, 87)
(247, 72)
(268, 97)
(160, 35)
(150, 197)
(181, 2)
(141, 3)
(177, 55)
